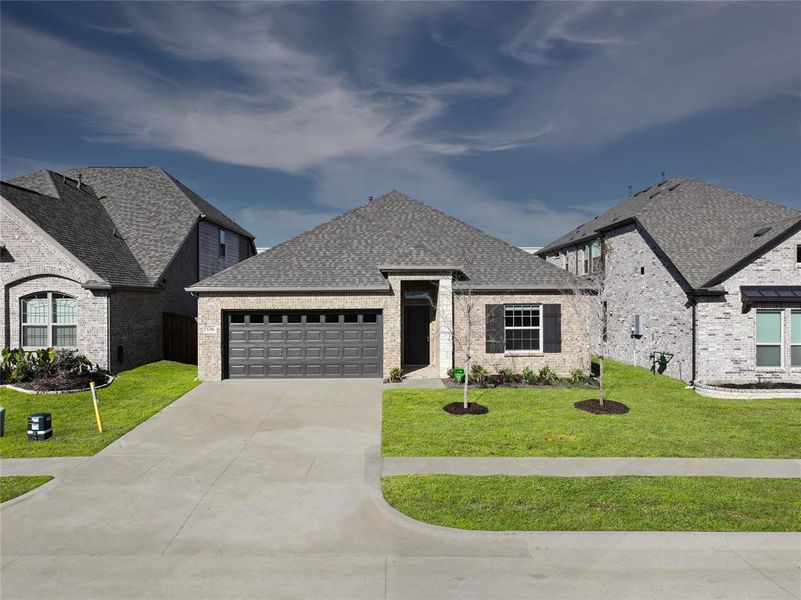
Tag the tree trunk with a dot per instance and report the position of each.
(466, 371)
(601, 381)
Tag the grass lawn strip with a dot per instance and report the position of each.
(133, 397)
(533, 503)
(665, 419)
(16, 485)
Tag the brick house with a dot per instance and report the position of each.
(706, 274)
(98, 259)
(393, 283)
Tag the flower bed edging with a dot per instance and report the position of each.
(86, 389)
(714, 391)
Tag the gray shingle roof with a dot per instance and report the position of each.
(77, 220)
(704, 229)
(152, 211)
(393, 230)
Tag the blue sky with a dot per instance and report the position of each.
(523, 119)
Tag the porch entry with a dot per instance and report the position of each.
(416, 340)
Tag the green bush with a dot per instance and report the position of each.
(509, 376)
(529, 375)
(19, 365)
(395, 374)
(478, 374)
(548, 376)
(576, 376)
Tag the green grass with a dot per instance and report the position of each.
(133, 397)
(505, 503)
(16, 485)
(665, 420)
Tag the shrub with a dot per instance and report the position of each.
(548, 376)
(450, 373)
(395, 374)
(576, 376)
(529, 375)
(18, 365)
(509, 376)
(478, 374)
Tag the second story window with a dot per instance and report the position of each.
(798, 256)
(222, 243)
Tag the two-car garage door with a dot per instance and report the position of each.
(305, 344)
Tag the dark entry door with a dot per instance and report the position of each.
(415, 335)
(179, 338)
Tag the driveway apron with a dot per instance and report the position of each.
(271, 488)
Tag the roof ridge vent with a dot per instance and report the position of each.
(762, 231)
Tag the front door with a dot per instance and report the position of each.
(415, 335)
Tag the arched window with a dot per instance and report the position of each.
(49, 319)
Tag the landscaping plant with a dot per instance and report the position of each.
(529, 375)
(478, 373)
(548, 376)
(576, 376)
(395, 375)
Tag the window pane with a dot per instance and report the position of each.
(795, 326)
(768, 327)
(351, 318)
(332, 318)
(65, 309)
(65, 335)
(293, 318)
(313, 318)
(769, 356)
(369, 318)
(275, 318)
(34, 336)
(34, 309)
(795, 353)
(254, 319)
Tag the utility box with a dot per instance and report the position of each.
(636, 327)
(40, 427)
(2, 421)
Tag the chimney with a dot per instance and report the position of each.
(369, 198)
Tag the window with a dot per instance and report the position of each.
(49, 319)
(596, 257)
(522, 329)
(331, 318)
(313, 318)
(369, 318)
(222, 242)
(566, 260)
(293, 318)
(795, 338)
(351, 318)
(798, 255)
(237, 318)
(769, 338)
(274, 318)
(256, 319)
(584, 258)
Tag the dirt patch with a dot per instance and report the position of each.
(473, 408)
(609, 407)
(64, 383)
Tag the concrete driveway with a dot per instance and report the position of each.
(270, 489)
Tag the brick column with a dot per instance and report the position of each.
(445, 318)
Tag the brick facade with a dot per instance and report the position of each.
(641, 281)
(726, 333)
(445, 317)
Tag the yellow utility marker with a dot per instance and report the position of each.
(97, 410)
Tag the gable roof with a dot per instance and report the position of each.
(705, 230)
(390, 232)
(150, 213)
(77, 220)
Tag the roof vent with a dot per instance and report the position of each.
(670, 189)
(654, 195)
(761, 231)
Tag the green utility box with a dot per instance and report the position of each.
(458, 373)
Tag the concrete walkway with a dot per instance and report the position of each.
(56, 465)
(589, 467)
(270, 489)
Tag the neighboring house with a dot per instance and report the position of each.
(374, 289)
(706, 274)
(98, 259)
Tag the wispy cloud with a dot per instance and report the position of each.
(346, 111)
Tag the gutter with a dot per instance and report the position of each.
(305, 289)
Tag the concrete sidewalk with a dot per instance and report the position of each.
(589, 467)
(54, 465)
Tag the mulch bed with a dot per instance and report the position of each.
(609, 407)
(453, 384)
(473, 408)
(63, 383)
(764, 385)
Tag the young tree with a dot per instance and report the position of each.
(585, 296)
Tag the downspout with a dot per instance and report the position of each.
(695, 304)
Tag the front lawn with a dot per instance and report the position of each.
(16, 485)
(665, 420)
(506, 503)
(133, 397)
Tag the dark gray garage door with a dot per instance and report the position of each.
(305, 344)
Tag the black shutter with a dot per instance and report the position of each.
(552, 321)
(494, 330)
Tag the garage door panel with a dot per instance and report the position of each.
(321, 344)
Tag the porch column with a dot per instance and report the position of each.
(445, 317)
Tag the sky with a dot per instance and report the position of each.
(523, 119)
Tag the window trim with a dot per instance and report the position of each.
(221, 242)
(781, 364)
(541, 328)
(50, 323)
(792, 343)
